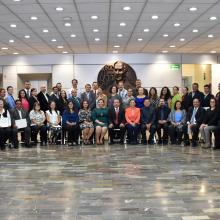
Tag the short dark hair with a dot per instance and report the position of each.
(176, 88)
(54, 87)
(196, 84)
(110, 90)
(17, 100)
(9, 87)
(75, 80)
(186, 87)
(207, 86)
(178, 101)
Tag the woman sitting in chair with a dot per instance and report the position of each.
(86, 123)
(53, 122)
(70, 122)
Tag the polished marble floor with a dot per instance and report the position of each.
(110, 183)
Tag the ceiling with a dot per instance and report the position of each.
(110, 14)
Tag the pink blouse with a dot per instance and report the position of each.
(25, 104)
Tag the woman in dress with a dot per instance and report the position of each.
(38, 118)
(113, 94)
(33, 98)
(139, 100)
(154, 99)
(22, 96)
(166, 95)
(86, 123)
(63, 101)
(100, 118)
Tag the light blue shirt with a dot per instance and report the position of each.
(10, 101)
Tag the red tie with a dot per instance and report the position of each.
(116, 116)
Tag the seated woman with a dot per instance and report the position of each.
(53, 122)
(100, 118)
(22, 96)
(209, 123)
(177, 119)
(5, 125)
(86, 123)
(70, 122)
(132, 116)
(139, 100)
(38, 118)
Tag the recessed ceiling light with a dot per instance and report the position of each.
(182, 39)
(116, 46)
(154, 17)
(59, 9)
(16, 0)
(27, 36)
(95, 30)
(15, 53)
(127, 8)
(114, 51)
(4, 48)
(97, 39)
(11, 41)
(33, 18)
(176, 25)
(13, 25)
(146, 30)
(45, 31)
(140, 39)
(172, 46)
(164, 51)
(213, 51)
(213, 18)
(210, 35)
(53, 40)
(73, 35)
(193, 9)
(165, 35)
(60, 47)
(65, 52)
(195, 31)
(119, 35)
(68, 18)
(122, 24)
(94, 17)
(67, 24)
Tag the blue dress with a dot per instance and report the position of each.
(140, 102)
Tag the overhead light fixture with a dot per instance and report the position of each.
(210, 35)
(45, 31)
(127, 8)
(73, 35)
(119, 35)
(146, 30)
(60, 47)
(53, 40)
(16, 0)
(164, 51)
(213, 18)
(193, 9)
(116, 46)
(94, 17)
(195, 31)
(97, 39)
(165, 35)
(27, 36)
(154, 17)
(59, 9)
(67, 24)
(65, 52)
(114, 51)
(140, 39)
(182, 39)
(11, 41)
(95, 30)
(34, 18)
(4, 48)
(172, 46)
(13, 25)
(15, 53)
(213, 51)
(176, 25)
(122, 24)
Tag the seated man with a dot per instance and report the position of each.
(194, 119)
(116, 121)
(162, 115)
(17, 114)
(148, 122)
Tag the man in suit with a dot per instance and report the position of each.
(43, 98)
(207, 96)
(95, 88)
(122, 91)
(148, 118)
(194, 119)
(27, 88)
(16, 114)
(162, 114)
(186, 99)
(195, 94)
(56, 98)
(76, 100)
(116, 121)
(89, 96)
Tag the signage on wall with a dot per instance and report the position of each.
(175, 67)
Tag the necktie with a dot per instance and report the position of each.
(193, 116)
(28, 94)
(116, 116)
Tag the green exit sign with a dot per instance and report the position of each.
(175, 66)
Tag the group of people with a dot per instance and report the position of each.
(123, 113)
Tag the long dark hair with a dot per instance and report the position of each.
(5, 113)
(68, 109)
(19, 94)
(155, 95)
(168, 94)
(50, 110)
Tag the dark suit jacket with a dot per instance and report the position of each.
(91, 100)
(186, 102)
(32, 100)
(148, 115)
(57, 101)
(15, 116)
(44, 104)
(206, 100)
(166, 113)
(200, 115)
(112, 116)
(198, 95)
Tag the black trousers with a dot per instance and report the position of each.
(4, 136)
(195, 133)
(152, 132)
(175, 134)
(73, 133)
(120, 132)
(43, 133)
(132, 133)
(217, 138)
(27, 134)
(165, 128)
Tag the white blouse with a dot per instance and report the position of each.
(5, 121)
(53, 117)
